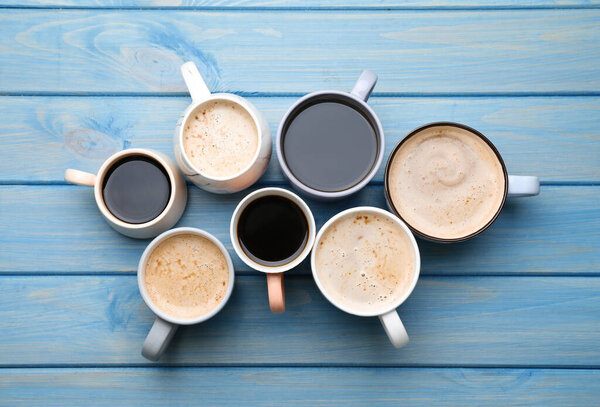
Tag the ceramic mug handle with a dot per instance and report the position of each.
(523, 185)
(364, 85)
(394, 328)
(158, 339)
(194, 82)
(276, 292)
(82, 178)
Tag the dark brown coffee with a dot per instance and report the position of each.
(136, 189)
(272, 230)
(329, 145)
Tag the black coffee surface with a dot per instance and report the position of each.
(272, 230)
(330, 146)
(136, 189)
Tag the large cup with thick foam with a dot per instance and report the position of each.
(366, 262)
(449, 183)
(185, 276)
(222, 141)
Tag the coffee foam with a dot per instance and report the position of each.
(186, 276)
(446, 182)
(365, 261)
(220, 138)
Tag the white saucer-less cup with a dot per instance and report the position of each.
(164, 221)
(200, 97)
(165, 325)
(389, 317)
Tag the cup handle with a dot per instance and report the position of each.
(158, 339)
(364, 85)
(80, 178)
(394, 328)
(523, 185)
(276, 292)
(194, 82)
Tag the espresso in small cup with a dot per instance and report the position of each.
(366, 262)
(448, 182)
(185, 276)
(140, 192)
(220, 138)
(272, 230)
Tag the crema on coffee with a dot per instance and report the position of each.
(186, 276)
(220, 139)
(446, 182)
(365, 261)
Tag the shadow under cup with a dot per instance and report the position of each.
(331, 144)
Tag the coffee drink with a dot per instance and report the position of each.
(186, 276)
(136, 189)
(272, 230)
(446, 182)
(220, 139)
(365, 261)
(329, 145)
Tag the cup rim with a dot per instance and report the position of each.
(330, 194)
(448, 124)
(142, 266)
(109, 162)
(267, 192)
(230, 97)
(416, 252)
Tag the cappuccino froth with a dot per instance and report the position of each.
(220, 138)
(186, 276)
(446, 182)
(365, 261)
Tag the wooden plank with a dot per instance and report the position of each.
(411, 51)
(555, 233)
(555, 138)
(457, 321)
(297, 4)
(299, 386)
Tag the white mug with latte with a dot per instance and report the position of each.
(448, 182)
(222, 141)
(185, 276)
(366, 262)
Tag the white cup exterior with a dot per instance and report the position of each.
(388, 316)
(142, 268)
(270, 192)
(167, 218)
(201, 96)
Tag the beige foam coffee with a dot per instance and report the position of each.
(186, 276)
(220, 139)
(446, 182)
(365, 261)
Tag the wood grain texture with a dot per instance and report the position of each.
(411, 51)
(452, 321)
(555, 138)
(298, 4)
(299, 387)
(63, 227)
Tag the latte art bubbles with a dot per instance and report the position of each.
(446, 182)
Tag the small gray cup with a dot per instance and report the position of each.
(357, 99)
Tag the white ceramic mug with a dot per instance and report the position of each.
(389, 317)
(165, 325)
(167, 218)
(200, 97)
(274, 273)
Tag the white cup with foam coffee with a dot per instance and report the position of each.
(185, 276)
(222, 141)
(366, 262)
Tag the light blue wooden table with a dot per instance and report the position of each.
(512, 317)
